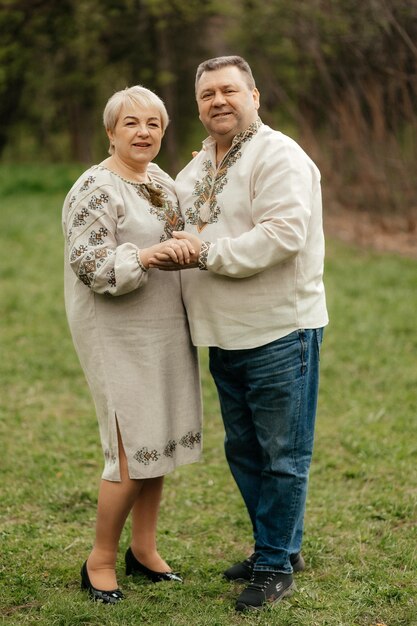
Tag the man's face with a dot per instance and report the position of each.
(226, 104)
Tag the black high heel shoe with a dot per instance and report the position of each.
(106, 597)
(134, 567)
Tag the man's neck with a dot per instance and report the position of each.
(225, 142)
(221, 151)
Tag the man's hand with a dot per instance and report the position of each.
(170, 260)
(178, 251)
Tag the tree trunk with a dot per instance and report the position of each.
(167, 91)
(80, 125)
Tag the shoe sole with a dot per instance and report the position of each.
(286, 594)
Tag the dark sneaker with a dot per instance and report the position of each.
(242, 571)
(265, 587)
(297, 562)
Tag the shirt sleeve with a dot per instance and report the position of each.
(283, 189)
(90, 227)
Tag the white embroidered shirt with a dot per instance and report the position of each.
(261, 211)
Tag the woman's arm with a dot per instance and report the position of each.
(90, 225)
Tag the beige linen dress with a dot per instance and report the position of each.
(128, 325)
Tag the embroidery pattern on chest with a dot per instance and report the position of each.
(162, 208)
(205, 209)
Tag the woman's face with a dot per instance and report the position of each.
(137, 136)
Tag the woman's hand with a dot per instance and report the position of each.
(177, 251)
(189, 246)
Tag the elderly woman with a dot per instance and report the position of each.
(131, 335)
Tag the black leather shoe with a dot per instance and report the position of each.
(134, 567)
(106, 597)
(242, 571)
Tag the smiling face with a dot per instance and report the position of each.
(137, 136)
(226, 103)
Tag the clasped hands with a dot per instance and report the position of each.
(179, 253)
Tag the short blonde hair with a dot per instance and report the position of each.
(132, 95)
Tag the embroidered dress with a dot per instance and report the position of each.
(129, 325)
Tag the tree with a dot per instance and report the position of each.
(345, 73)
(14, 56)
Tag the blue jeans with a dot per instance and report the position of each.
(268, 400)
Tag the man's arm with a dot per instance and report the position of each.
(285, 189)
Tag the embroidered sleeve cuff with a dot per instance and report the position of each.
(202, 258)
(141, 265)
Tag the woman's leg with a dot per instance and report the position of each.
(115, 500)
(144, 524)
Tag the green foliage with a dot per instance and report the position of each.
(86, 50)
(344, 73)
(13, 58)
(360, 527)
(21, 180)
(339, 75)
(320, 51)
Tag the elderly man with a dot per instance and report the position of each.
(254, 294)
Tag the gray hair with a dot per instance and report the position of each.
(219, 62)
(132, 95)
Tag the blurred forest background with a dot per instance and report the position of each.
(340, 76)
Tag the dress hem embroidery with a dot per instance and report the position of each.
(147, 456)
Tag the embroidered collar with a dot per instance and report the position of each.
(248, 133)
(244, 135)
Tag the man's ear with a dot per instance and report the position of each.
(256, 98)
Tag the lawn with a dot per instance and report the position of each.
(361, 523)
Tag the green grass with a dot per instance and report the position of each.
(360, 540)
